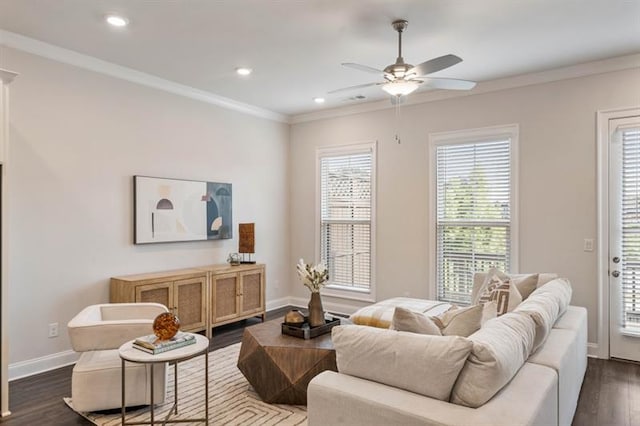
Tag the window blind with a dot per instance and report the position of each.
(631, 229)
(345, 210)
(473, 214)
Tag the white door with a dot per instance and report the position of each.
(624, 238)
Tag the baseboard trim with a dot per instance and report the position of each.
(272, 305)
(593, 351)
(338, 308)
(19, 370)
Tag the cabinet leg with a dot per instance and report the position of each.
(264, 316)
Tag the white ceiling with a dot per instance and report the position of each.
(295, 47)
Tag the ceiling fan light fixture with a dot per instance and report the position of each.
(400, 87)
(116, 20)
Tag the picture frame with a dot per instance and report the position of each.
(173, 210)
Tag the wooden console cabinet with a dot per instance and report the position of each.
(183, 291)
(236, 292)
(202, 297)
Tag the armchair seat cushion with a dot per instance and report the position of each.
(96, 382)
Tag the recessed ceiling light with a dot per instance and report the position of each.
(243, 71)
(318, 100)
(117, 21)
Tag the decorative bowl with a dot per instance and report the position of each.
(293, 317)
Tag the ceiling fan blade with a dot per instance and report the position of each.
(434, 65)
(364, 68)
(359, 86)
(449, 84)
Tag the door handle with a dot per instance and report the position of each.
(616, 259)
(616, 274)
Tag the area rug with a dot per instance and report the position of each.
(232, 401)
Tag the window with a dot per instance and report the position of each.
(473, 219)
(346, 178)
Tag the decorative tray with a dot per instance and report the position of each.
(303, 331)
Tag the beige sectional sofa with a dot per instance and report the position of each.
(544, 391)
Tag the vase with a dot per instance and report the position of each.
(316, 313)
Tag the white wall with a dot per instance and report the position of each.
(77, 138)
(557, 177)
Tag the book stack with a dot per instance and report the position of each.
(151, 344)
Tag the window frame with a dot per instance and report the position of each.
(468, 136)
(340, 150)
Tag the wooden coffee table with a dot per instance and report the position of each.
(279, 367)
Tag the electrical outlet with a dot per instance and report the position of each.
(588, 244)
(53, 329)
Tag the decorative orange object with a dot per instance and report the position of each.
(294, 317)
(166, 325)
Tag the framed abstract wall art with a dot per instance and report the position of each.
(170, 210)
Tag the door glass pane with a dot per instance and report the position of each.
(630, 212)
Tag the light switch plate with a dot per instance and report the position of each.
(588, 244)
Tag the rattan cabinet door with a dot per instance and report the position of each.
(156, 293)
(189, 297)
(224, 297)
(252, 291)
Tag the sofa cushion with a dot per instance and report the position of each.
(545, 277)
(339, 399)
(380, 314)
(500, 348)
(498, 287)
(427, 365)
(413, 322)
(544, 310)
(566, 353)
(559, 289)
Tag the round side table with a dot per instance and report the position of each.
(130, 354)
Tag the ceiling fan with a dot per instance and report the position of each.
(401, 78)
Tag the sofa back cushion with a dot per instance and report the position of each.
(424, 364)
(500, 348)
(559, 289)
(545, 306)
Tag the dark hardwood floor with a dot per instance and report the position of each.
(610, 394)
(37, 400)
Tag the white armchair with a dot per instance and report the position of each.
(98, 331)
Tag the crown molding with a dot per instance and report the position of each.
(580, 70)
(7, 76)
(59, 54)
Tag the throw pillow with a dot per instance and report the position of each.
(522, 281)
(413, 322)
(427, 365)
(499, 288)
(526, 284)
(464, 321)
